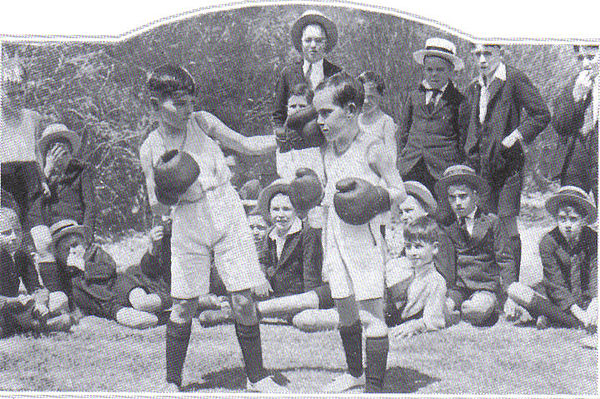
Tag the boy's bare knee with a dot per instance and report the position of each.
(244, 308)
(520, 293)
(58, 303)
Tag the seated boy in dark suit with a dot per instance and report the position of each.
(567, 294)
(485, 263)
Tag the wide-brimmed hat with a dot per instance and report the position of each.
(65, 227)
(422, 193)
(267, 193)
(442, 48)
(312, 17)
(572, 194)
(57, 131)
(460, 174)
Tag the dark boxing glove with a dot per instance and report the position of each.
(357, 201)
(305, 131)
(297, 120)
(174, 173)
(307, 189)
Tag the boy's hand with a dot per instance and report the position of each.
(263, 290)
(511, 310)
(583, 85)
(46, 190)
(156, 234)
(511, 139)
(40, 310)
(20, 303)
(580, 314)
(409, 328)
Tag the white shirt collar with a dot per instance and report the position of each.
(316, 66)
(500, 73)
(294, 228)
(472, 214)
(428, 86)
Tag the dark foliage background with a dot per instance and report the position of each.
(98, 89)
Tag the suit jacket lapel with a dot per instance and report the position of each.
(495, 86)
(481, 227)
(290, 245)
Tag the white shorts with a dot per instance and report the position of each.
(354, 259)
(215, 224)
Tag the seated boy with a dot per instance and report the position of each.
(419, 202)
(300, 146)
(292, 258)
(425, 306)
(95, 283)
(485, 264)
(36, 310)
(567, 294)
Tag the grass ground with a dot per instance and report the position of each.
(99, 355)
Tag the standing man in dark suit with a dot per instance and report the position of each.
(429, 133)
(313, 35)
(575, 120)
(497, 135)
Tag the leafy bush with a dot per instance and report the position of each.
(98, 89)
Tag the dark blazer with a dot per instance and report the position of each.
(558, 257)
(299, 268)
(567, 121)
(484, 260)
(15, 269)
(436, 137)
(72, 197)
(483, 147)
(507, 101)
(290, 76)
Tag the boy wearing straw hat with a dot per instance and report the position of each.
(430, 136)
(485, 264)
(567, 294)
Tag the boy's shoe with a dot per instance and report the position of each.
(266, 385)
(542, 322)
(344, 382)
(590, 341)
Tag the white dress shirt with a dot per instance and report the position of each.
(429, 93)
(280, 240)
(484, 97)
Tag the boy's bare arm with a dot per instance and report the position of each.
(255, 145)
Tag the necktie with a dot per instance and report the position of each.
(307, 76)
(462, 222)
(483, 100)
(434, 94)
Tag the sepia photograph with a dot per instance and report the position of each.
(298, 198)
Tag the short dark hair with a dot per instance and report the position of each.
(347, 89)
(372, 77)
(302, 89)
(577, 47)
(169, 79)
(287, 191)
(423, 229)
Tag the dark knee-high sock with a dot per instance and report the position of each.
(249, 340)
(178, 338)
(377, 352)
(515, 243)
(49, 276)
(352, 342)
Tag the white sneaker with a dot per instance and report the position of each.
(344, 382)
(266, 385)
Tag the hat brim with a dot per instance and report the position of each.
(265, 196)
(73, 138)
(312, 19)
(422, 194)
(441, 187)
(419, 57)
(67, 231)
(553, 202)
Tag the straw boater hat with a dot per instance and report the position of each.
(442, 48)
(57, 131)
(420, 191)
(572, 194)
(265, 196)
(460, 174)
(67, 226)
(313, 17)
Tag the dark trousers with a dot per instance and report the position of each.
(581, 169)
(22, 180)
